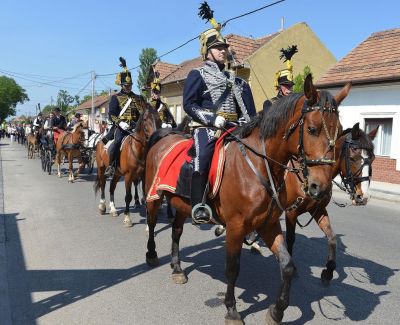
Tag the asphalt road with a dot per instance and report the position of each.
(63, 263)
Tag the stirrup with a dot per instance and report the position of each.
(201, 213)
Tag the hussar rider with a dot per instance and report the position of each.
(161, 107)
(213, 98)
(283, 78)
(124, 111)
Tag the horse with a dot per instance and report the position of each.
(132, 162)
(68, 145)
(354, 164)
(32, 142)
(252, 193)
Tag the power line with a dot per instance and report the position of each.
(192, 39)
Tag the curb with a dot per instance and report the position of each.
(5, 309)
(376, 194)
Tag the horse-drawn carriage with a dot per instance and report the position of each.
(47, 150)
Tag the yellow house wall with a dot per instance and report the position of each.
(265, 62)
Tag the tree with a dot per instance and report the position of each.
(64, 99)
(147, 57)
(299, 80)
(10, 95)
(48, 108)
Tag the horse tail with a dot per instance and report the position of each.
(96, 185)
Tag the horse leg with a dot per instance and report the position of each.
(170, 213)
(137, 202)
(151, 212)
(70, 167)
(113, 185)
(128, 198)
(58, 159)
(290, 218)
(178, 275)
(273, 238)
(102, 184)
(324, 224)
(234, 240)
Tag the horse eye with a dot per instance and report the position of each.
(312, 130)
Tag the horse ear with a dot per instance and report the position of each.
(356, 132)
(373, 133)
(342, 93)
(310, 91)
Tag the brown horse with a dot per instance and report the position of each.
(32, 142)
(68, 145)
(354, 157)
(132, 162)
(302, 125)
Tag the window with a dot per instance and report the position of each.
(383, 138)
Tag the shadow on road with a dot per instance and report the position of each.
(259, 278)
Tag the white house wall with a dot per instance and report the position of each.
(378, 101)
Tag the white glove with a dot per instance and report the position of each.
(219, 121)
(123, 125)
(165, 125)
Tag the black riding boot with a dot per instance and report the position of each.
(110, 170)
(201, 213)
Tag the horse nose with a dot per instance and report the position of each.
(314, 189)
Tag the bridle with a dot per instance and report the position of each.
(302, 158)
(351, 180)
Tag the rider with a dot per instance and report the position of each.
(59, 123)
(283, 78)
(213, 97)
(37, 122)
(77, 118)
(161, 107)
(124, 111)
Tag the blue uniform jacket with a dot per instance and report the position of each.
(195, 101)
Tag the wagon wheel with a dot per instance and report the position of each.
(43, 159)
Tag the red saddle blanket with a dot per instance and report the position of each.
(171, 163)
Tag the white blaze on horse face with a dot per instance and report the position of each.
(365, 173)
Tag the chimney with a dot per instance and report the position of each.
(282, 24)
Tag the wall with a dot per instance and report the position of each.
(376, 101)
(265, 62)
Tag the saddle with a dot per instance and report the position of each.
(176, 168)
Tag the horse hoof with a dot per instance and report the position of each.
(326, 277)
(219, 231)
(114, 214)
(179, 278)
(128, 223)
(152, 261)
(268, 318)
(233, 318)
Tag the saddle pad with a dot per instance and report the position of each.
(167, 175)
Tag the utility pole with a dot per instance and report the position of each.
(51, 100)
(92, 113)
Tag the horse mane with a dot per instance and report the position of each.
(139, 123)
(75, 127)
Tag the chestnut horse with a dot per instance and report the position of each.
(131, 162)
(354, 159)
(252, 192)
(32, 142)
(68, 145)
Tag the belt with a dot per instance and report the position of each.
(228, 116)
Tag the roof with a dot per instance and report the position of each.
(376, 59)
(98, 101)
(164, 68)
(241, 46)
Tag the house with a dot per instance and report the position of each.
(373, 67)
(256, 60)
(100, 110)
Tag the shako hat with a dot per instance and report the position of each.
(123, 78)
(211, 37)
(285, 76)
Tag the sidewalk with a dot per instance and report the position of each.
(380, 191)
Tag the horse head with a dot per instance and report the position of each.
(148, 122)
(316, 119)
(356, 163)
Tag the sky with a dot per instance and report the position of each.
(51, 45)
